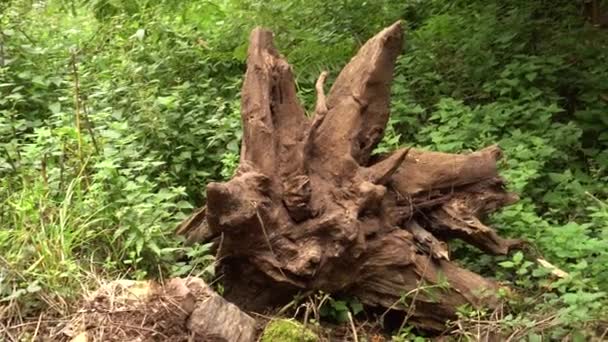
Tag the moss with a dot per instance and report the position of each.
(287, 330)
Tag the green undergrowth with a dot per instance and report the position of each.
(115, 114)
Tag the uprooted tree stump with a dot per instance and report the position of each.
(310, 207)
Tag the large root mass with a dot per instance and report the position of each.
(310, 208)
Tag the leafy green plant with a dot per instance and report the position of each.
(338, 310)
(406, 334)
(199, 262)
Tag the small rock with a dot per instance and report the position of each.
(217, 319)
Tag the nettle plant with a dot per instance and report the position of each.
(85, 186)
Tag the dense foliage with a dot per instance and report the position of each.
(115, 114)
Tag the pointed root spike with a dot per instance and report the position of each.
(321, 106)
(381, 172)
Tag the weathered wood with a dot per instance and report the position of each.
(311, 209)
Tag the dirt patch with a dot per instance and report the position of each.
(128, 311)
(180, 310)
(157, 319)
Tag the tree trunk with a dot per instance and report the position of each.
(310, 208)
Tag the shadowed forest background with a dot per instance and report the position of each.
(114, 115)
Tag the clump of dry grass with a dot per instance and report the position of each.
(119, 310)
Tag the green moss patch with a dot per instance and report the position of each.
(287, 330)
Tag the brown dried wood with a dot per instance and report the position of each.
(310, 208)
